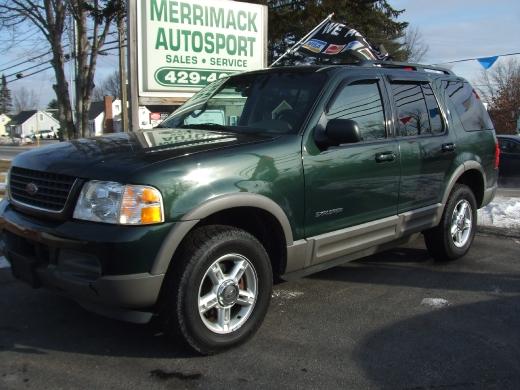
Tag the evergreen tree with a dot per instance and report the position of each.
(6, 103)
(376, 20)
(53, 104)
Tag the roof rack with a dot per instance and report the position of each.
(407, 66)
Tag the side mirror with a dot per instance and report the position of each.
(342, 131)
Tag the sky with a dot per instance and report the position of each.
(452, 29)
(461, 29)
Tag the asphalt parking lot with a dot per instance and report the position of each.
(396, 320)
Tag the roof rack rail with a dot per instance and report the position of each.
(407, 66)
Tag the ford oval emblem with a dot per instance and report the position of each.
(31, 189)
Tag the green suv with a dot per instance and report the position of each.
(277, 173)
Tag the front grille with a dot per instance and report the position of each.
(52, 189)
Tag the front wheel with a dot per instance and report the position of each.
(454, 235)
(218, 292)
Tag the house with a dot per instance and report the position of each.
(96, 117)
(26, 123)
(4, 129)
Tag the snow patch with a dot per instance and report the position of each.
(4, 263)
(436, 303)
(286, 294)
(502, 212)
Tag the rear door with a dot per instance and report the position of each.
(427, 148)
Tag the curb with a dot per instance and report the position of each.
(499, 231)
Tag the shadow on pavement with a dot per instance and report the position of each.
(472, 346)
(40, 320)
(411, 267)
(358, 326)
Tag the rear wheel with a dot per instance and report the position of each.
(218, 292)
(454, 235)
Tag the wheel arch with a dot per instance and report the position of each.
(471, 174)
(257, 214)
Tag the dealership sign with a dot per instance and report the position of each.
(184, 45)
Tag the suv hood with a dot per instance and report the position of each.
(110, 156)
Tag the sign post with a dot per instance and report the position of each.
(178, 47)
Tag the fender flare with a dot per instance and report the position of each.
(210, 207)
(466, 166)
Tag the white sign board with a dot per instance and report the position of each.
(184, 45)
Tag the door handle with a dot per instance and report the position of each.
(385, 157)
(449, 147)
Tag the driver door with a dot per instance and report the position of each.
(349, 185)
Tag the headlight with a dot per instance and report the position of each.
(110, 202)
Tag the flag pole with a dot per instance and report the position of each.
(294, 48)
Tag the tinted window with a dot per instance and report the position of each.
(274, 102)
(361, 102)
(436, 122)
(468, 106)
(412, 114)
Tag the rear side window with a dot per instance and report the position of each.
(361, 102)
(412, 113)
(468, 105)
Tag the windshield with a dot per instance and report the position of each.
(251, 103)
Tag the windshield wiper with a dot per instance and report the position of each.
(205, 126)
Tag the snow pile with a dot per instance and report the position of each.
(502, 212)
(286, 294)
(436, 303)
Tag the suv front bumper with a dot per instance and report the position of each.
(95, 264)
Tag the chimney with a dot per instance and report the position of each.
(109, 119)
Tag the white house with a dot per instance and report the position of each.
(4, 119)
(26, 123)
(96, 117)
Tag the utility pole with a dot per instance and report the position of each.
(72, 67)
(77, 94)
(122, 72)
(132, 63)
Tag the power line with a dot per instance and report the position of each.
(475, 59)
(23, 62)
(43, 55)
(47, 68)
(26, 69)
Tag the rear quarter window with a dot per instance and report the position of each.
(467, 105)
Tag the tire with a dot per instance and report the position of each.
(201, 277)
(453, 237)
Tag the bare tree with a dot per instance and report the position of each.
(111, 86)
(500, 88)
(102, 14)
(92, 20)
(25, 99)
(414, 46)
